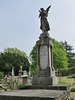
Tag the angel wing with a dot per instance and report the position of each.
(48, 8)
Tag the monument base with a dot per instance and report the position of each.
(44, 80)
(45, 77)
(35, 95)
(45, 72)
(49, 87)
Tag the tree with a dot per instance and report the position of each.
(33, 59)
(13, 58)
(70, 54)
(59, 56)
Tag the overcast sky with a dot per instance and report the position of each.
(20, 25)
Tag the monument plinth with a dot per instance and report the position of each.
(45, 73)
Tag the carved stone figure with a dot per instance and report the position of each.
(43, 18)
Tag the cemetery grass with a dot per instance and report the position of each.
(73, 94)
(66, 80)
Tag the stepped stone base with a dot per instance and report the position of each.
(49, 87)
(34, 95)
(44, 80)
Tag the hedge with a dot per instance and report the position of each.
(69, 71)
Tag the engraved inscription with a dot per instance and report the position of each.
(43, 52)
(43, 57)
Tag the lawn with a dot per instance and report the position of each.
(65, 80)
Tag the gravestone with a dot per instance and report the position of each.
(24, 77)
(20, 72)
(29, 72)
(24, 72)
(12, 71)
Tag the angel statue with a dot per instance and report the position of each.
(43, 19)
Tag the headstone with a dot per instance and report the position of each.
(29, 71)
(20, 72)
(12, 71)
(24, 77)
(5, 78)
(24, 72)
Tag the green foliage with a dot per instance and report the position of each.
(65, 79)
(15, 50)
(21, 86)
(70, 54)
(73, 85)
(62, 82)
(73, 75)
(68, 71)
(59, 56)
(13, 58)
(1, 75)
(33, 59)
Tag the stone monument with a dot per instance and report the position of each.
(24, 77)
(20, 72)
(12, 71)
(45, 72)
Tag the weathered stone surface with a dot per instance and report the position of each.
(45, 73)
(34, 95)
(44, 80)
(43, 57)
(50, 87)
(44, 39)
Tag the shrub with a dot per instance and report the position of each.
(72, 89)
(73, 75)
(64, 72)
(1, 74)
(21, 86)
(68, 71)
